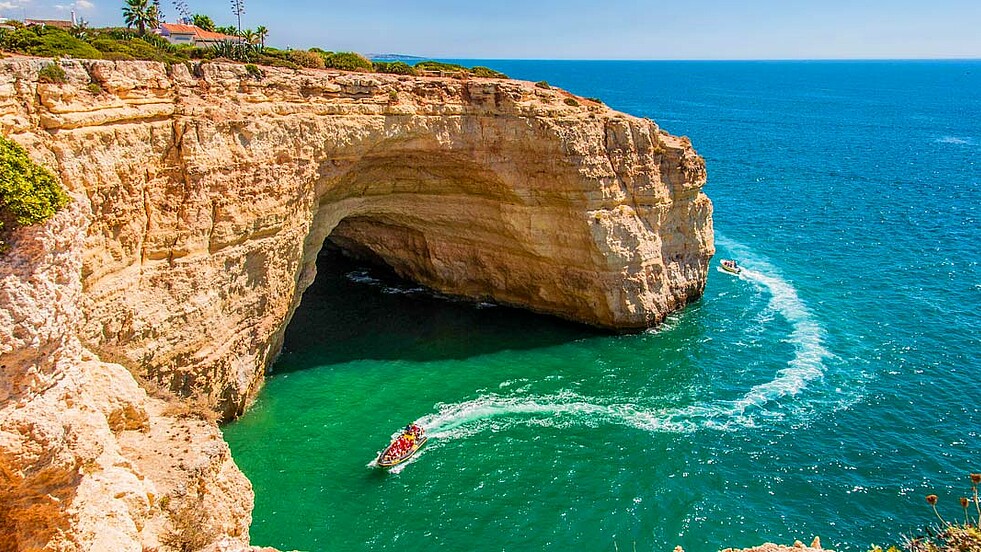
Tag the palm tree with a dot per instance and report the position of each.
(262, 32)
(250, 36)
(142, 14)
(203, 21)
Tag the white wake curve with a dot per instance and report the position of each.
(460, 420)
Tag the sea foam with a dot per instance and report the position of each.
(492, 411)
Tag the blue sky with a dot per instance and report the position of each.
(576, 29)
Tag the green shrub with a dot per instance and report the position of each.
(595, 100)
(478, 71)
(347, 61)
(303, 58)
(543, 84)
(19, 40)
(440, 66)
(116, 33)
(47, 42)
(29, 193)
(117, 56)
(52, 73)
(237, 51)
(254, 71)
(94, 88)
(194, 52)
(571, 101)
(487, 73)
(394, 67)
(135, 48)
(273, 61)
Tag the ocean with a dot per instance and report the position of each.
(825, 391)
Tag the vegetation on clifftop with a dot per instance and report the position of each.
(948, 536)
(122, 44)
(29, 193)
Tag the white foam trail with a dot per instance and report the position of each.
(807, 334)
(956, 140)
(461, 420)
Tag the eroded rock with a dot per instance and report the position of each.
(201, 199)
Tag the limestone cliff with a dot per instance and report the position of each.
(202, 197)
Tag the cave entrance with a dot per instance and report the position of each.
(360, 308)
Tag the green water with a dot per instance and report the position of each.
(825, 391)
(544, 434)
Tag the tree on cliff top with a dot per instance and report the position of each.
(29, 193)
(141, 14)
(203, 21)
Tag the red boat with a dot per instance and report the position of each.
(409, 441)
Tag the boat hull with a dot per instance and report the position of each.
(730, 268)
(409, 454)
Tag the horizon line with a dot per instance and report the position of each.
(816, 59)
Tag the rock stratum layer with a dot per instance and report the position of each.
(202, 196)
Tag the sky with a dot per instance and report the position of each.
(578, 29)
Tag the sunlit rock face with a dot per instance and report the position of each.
(203, 195)
(211, 192)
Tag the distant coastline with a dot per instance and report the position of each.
(395, 57)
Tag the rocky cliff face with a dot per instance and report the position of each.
(202, 197)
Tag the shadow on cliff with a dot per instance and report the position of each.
(360, 311)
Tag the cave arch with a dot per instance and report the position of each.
(194, 265)
(203, 194)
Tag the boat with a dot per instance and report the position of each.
(403, 447)
(731, 266)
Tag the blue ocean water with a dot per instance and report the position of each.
(825, 391)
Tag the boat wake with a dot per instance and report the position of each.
(770, 400)
(497, 412)
(807, 336)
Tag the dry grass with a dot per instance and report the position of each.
(189, 529)
(949, 536)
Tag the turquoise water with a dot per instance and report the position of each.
(825, 391)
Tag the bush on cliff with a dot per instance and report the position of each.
(29, 193)
(393, 67)
(346, 61)
(52, 73)
(459, 70)
(487, 73)
(311, 60)
(244, 53)
(440, 66)
(134, 48)
(46, 42)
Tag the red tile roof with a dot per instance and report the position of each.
(198, 32)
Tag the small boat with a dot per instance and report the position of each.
(731, 266)
(409, 441)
